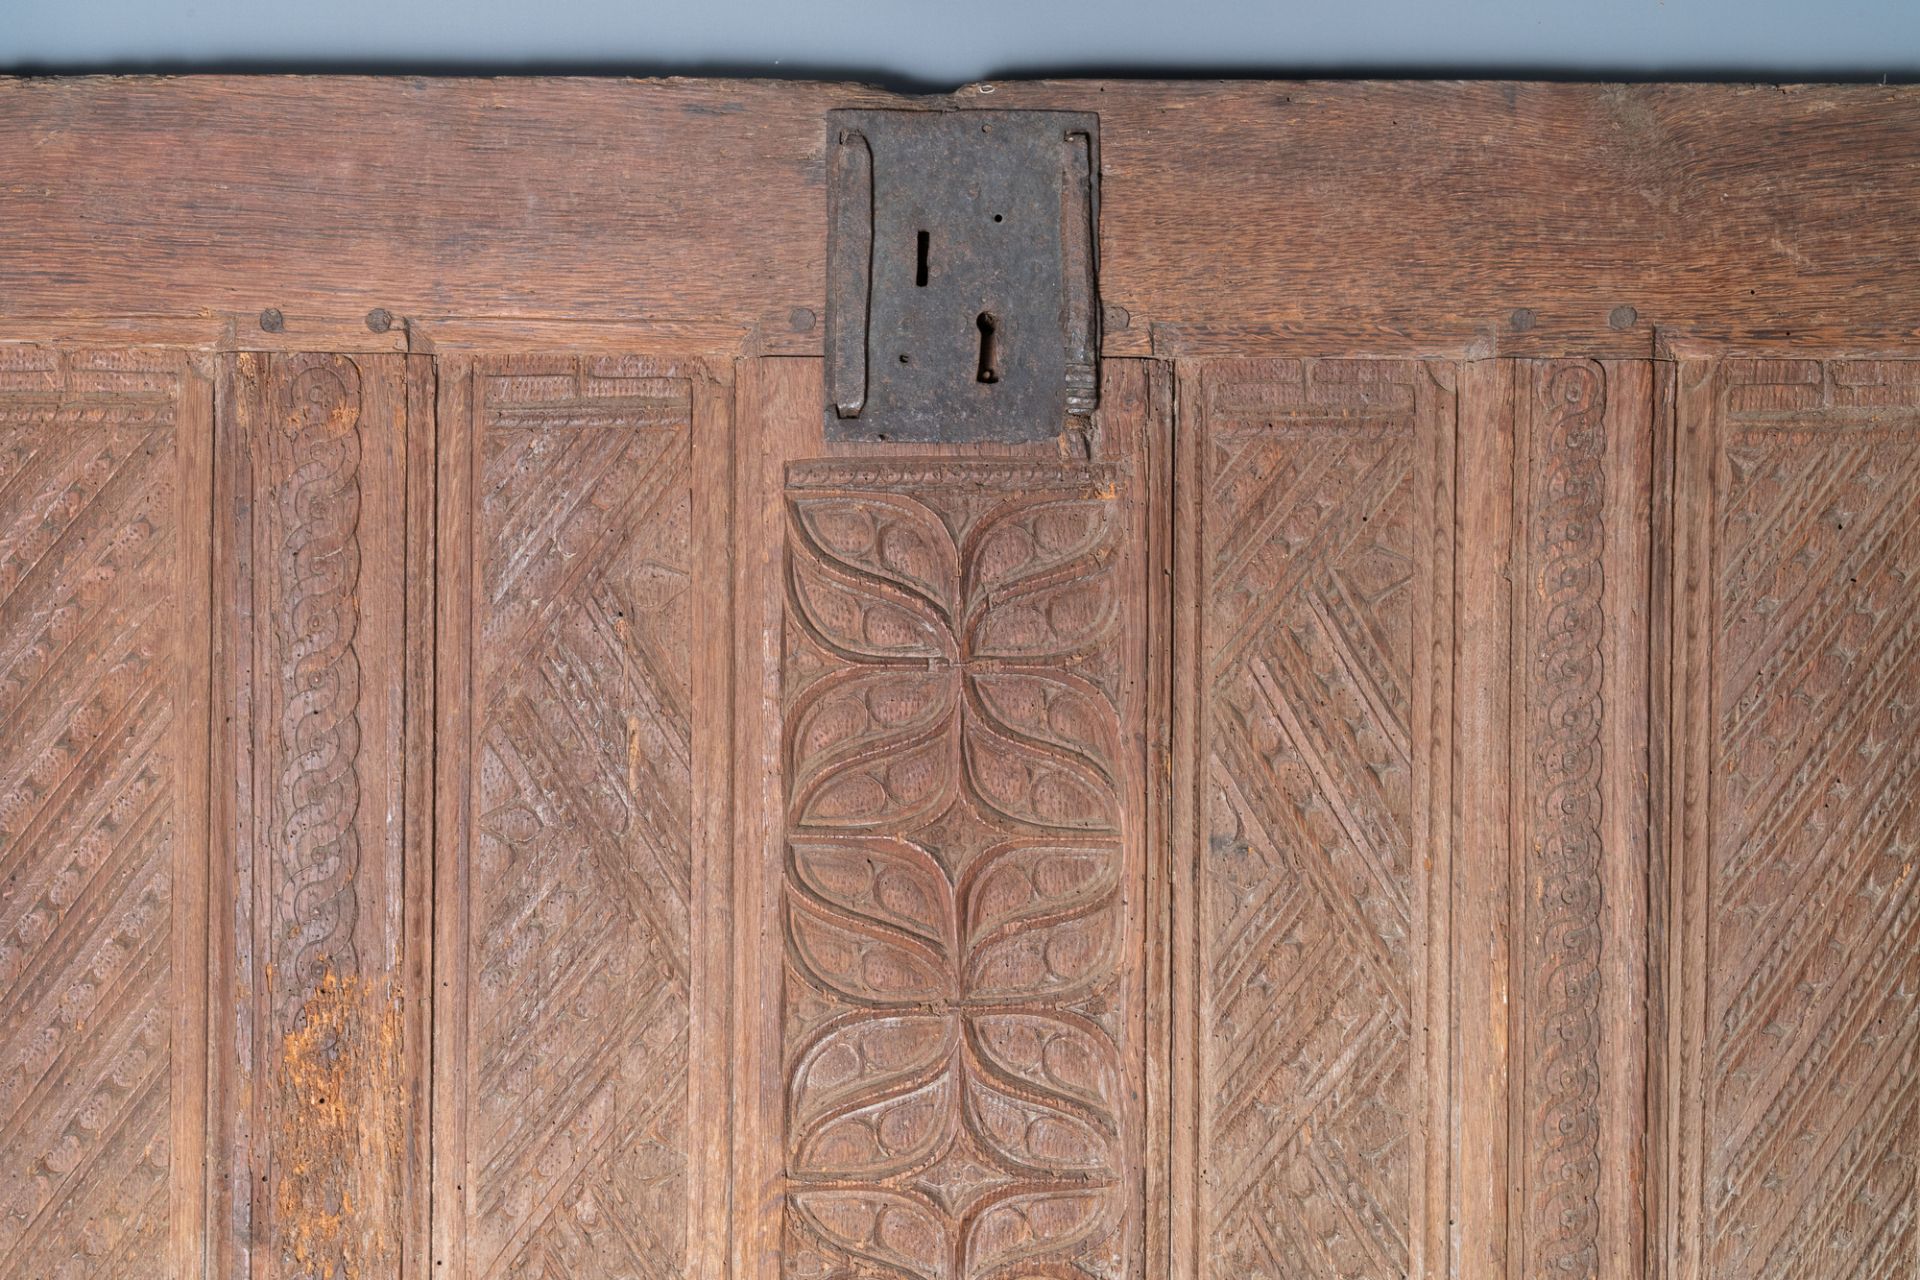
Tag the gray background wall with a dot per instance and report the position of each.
(947, 42)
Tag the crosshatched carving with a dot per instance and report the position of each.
(579, 932)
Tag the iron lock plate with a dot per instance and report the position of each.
(961, 295)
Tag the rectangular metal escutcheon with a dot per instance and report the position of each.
(961, 301)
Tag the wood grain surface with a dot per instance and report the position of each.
(1318, 552)
(324, 507)
(570, 919)
(1795, 1028)
(1421, 785)
(1240, 218)
(104, 468)
(957, 827)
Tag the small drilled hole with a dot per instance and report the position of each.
(998, 218)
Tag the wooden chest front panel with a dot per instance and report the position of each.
(104, 469)
(568, 908)
(1415, 933)
(1322, 544)
(1419, 785)
(957, 848)
(1796, 1032)
(321, 684)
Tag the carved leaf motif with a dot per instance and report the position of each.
(862, 620)
(863, 959)
(1032, 539)
(874, 1097)
(890, 536)
(888, 1136)
(875, 747)
(894, 1232)
(874, 579)
(1040, 581)
(966, 1122)
(1021, 1227)
(1050, 707)
(884, 880)
(859, 1054)
(1070, 1061)
(1041, 921)
(1032, 1127)
(1039, 750)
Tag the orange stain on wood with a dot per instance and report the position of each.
(337, 1133)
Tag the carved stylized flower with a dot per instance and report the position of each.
(956, 1115)
(965, 663)
(963, 1086)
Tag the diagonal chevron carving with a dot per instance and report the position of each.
(1813, 986)
(582, 850)
(1307, 880)
(89, 807)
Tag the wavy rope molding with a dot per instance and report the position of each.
(317, 408)
(1565, 625)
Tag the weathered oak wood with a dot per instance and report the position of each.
(1420, 787)
(1794, 1027)
(325, 507)
(577, 1082)
(953, 1000)
(1242, 218)
(1315, 895)
(104, 468)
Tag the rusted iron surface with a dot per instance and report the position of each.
(961, 300)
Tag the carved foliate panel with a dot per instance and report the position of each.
(570, 915)
(1322, 490)
(320, 668)
(101, 825)
(1798, 909)
(961, 686)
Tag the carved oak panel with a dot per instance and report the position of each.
(1378, 1004)
(1414, 943)
(1320, 543)
(321, 666)
(568, 893)
(1796, 1027)
(961, 694)
(102, 833)
(1577, 766)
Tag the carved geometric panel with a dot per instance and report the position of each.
(568, 896)
(1797, 1045)
(1415, 935)
(102, 602)
(1321, 550)
(961, 1045)
(323, 689)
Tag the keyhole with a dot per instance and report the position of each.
(989, 353)
(920, 262)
